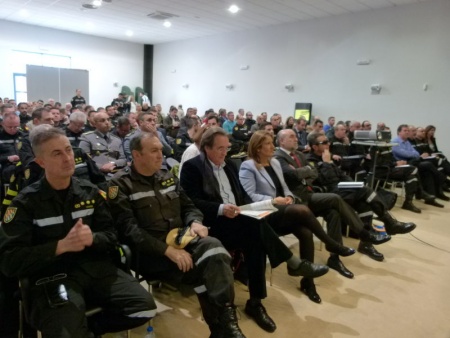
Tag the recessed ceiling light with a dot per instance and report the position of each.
(167, 24)
(234, 9)
(129, 33)
(97, 3)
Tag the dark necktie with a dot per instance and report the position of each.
(296, 159)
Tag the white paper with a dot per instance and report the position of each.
(258, 210)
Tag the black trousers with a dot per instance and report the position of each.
(335, 210)
(365, 201)
(432, 179)
(408, 174)
(211, 273)
(126, 304)
(256, 239)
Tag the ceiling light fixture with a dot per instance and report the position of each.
(97, 3)
(234, 9)
(129, 33)
(167, 24)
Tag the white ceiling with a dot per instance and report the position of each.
(196, 18)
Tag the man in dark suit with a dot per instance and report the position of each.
(364, 200)
(299, 177)
(213, 185)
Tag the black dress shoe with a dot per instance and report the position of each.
(335, 264)
(368, 249)
(443, 197)
(411, 207)
(400, 228)
(309, 289)
(260, 316)
(229, 323)
(434, 203)
(340, 250)
(375, 237)
(308, 269)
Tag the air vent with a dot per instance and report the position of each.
(161, 15)
(89, 6)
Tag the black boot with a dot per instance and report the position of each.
(367, 249)
(335, 263)
(394, 227)
(408, 205)
(228, 322)
(210, 314)
(308, 288)
(374, 237)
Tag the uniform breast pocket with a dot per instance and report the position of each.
(173, 195)
(142, 203)
(49, 232)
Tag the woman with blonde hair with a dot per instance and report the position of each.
(262, 178)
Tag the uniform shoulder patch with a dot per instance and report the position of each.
(9, 214)
(178, 141)
(312, 164)
(113, 191)
(27, 173)
(102, 193)
(236, 128)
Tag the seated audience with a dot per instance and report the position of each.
(143, 203)
(212, 182)
(433, 180)
(364, 200)
(299, 177)
(61, 245)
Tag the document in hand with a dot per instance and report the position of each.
(258, 210)
(350, 185)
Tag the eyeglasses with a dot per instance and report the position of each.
(323, 142)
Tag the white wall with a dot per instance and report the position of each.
(107, 60)
(409, 45)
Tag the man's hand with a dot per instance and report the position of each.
(198, 229)
(78, 238)
(108, 167)
(282, 200)
(230, 210)
(424, 155)
(180, 257)
(13, 158)
(337, 158)
(401, 163)
(326, 156)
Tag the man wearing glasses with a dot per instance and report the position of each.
(147, 123)
(364, 200)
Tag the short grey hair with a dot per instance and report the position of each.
(78, 117)
(43, 133)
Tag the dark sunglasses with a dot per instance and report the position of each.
(323, 142)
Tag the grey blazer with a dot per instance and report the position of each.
(257, 182)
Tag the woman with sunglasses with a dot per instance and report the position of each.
(262, 178)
